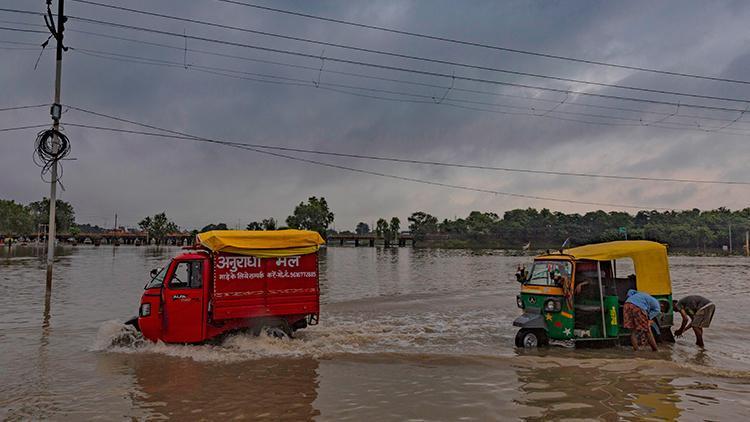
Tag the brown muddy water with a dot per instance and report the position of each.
(405, 334)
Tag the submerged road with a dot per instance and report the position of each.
(404, 333)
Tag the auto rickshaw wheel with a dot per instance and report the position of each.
(529, 339)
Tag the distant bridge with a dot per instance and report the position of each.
(368, 239)
(117, 237)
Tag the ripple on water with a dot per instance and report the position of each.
(403, 334)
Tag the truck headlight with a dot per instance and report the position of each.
(145, 310)
(519, 302)
(552, 305)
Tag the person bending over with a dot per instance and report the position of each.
(640, 308)
(699, 311)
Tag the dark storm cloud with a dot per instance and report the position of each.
(199, 183)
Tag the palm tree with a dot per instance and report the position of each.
(382, 230)
(395, 228)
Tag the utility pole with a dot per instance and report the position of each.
(730, 238)
(56, 112)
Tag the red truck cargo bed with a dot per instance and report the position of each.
(249, 287)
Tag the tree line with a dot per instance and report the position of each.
(313, 215)
(690, 229)
(17, 219)
(538, 229)
(388, 231)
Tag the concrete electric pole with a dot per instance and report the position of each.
(55, 112)
(730, 238)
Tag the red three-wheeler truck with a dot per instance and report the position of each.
(234, 280)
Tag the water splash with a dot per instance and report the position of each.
(441, 336)
(429, 332)
(115, 334)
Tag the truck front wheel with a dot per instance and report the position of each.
(134, 322)
(529, 339)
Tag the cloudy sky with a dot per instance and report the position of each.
(314, 107)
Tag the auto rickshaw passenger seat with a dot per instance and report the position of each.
(622, 285)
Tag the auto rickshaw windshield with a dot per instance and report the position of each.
(548, 273)
(158, 279)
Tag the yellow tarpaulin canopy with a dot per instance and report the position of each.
(649, 259)
(264, 244)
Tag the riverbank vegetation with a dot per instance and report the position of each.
(541, 229)
(690, 230)
(17, 219)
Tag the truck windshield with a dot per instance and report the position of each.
(158, 279)
(549, 273)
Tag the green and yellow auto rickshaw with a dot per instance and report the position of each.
(578, 294)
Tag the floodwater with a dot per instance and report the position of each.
(405, 334)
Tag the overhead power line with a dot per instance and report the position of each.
(18, 48)
(447, 76)
(425, 99)
(412, 161)
(23, 107)
(362, 171)
(20, 43)
(667, 115)
(422, 98)
(481, 45)
(405, 56)
(325, 86)
(22, 12)
(27, 24)
(410, 70)
(393, 159)
(10, 129)
(416, 98)
(32, 31)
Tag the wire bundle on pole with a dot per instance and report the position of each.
(48, 151)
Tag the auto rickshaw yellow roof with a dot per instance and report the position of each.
(649, 259)
(618, 249)
(271, 243)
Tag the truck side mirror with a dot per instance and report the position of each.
(154, 272)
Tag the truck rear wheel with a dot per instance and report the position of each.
(278, 328)
(279, 332)
(529, 339)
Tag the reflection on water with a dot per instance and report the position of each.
(573, 392)
(184, 389)
(404, 334)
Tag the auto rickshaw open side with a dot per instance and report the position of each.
(578, 295)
